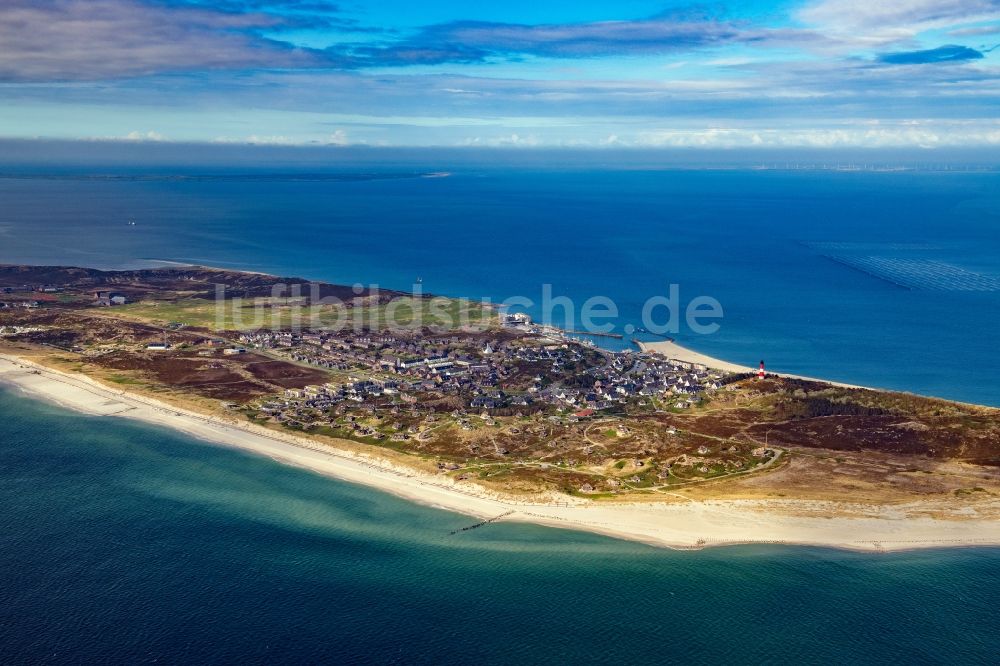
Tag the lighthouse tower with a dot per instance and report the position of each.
(761, 373)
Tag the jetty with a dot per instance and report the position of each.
(616, 336)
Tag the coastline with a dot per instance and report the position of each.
(672, 350)
(684, 525)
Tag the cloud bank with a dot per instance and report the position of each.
(909, 72)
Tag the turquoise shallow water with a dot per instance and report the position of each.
(129, 544)
(881, 279)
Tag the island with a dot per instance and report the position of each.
(463, 405)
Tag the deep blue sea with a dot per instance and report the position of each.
(884, 279)
(122, 543)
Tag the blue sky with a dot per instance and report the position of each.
(521, 73)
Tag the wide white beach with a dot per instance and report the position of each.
(683, 524)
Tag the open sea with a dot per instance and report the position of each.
(884, 279)
(122, 543)
(130, 544)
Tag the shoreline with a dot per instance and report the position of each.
(687, 525)
(674, 351)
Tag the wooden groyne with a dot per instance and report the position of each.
(485, 522)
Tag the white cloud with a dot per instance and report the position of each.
(883, 21)
(134, 135)
(976, 31)
(338, 138)
(514, 139)
(145, 136)
(861, 135)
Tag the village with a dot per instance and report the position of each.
(510, 372)
(533, 397)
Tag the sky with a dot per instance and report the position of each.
(816, 74)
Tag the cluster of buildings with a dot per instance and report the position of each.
(19, 304)
(37, 288)
(448, 364)
(108, 298)
(498, 375)
(634, 375)
(19, 301)
(101, 297)
(322, 405)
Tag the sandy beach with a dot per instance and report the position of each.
(684, 524)
(672, 350)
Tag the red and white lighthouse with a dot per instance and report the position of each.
(761, 373)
